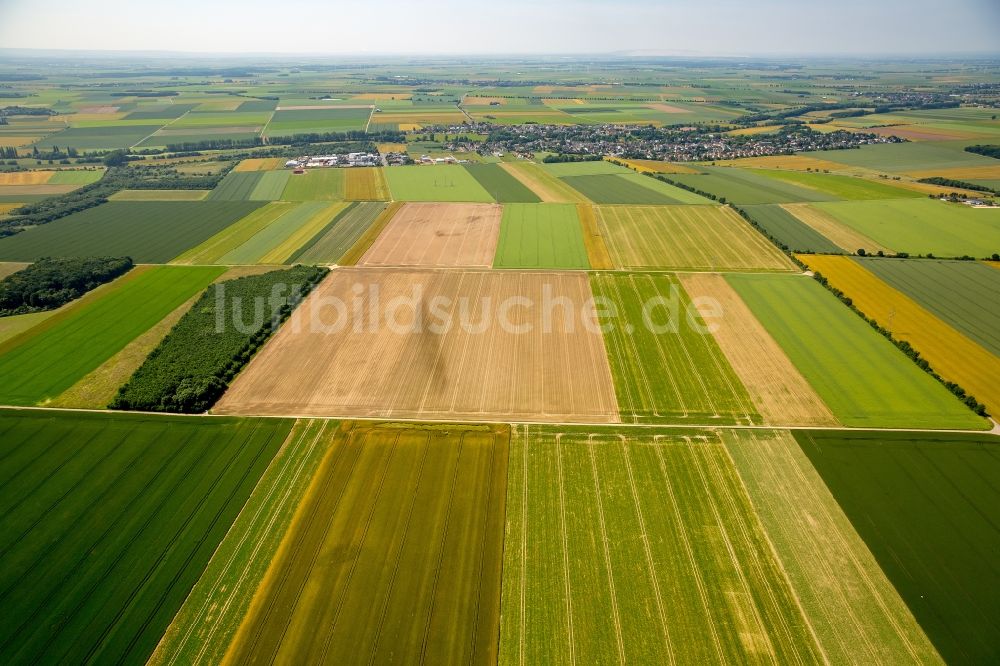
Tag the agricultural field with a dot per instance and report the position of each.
(435, 183)
(547, 187)
(622, 189)
(159, 195)
(666, 370)
(315, 185)
(149, 232)
(842, 237)
(952, 355)
(790, 231)
(917, 156)
(861, 376)
(855, 613)
(504, 187)
(965, 294)
(157, 497)
(446, 363)
(42, 362)
(742, 186)
(685, 238)
(426, 234)
(639, 546)
(270, 186)
(345, 230)
(317, 121)
(430, 499)
(104, 137)
(365, 184)
(213, 249)
(276, 239)
(920, 502)
(849, 188)
(922, 226)
(541, 236)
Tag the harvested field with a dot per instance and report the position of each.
(365, 184)
(109, 520)
(686, 238)
(430, 501)
(548, 188)
(44, 190)
(779, 392)
(25, 178)
(855, 612)
(862, 377)
(667, 369)
(471, 369)
(366, 237)
(342, 234)
(261, 164)
(952, 355)
(7, 207)
(10, 268)
(438, 235)
(922, 502)
(541, 236)
(829, 227)
(159, 195)
(639, 547)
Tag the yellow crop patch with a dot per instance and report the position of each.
(261, 164)
(25, 177)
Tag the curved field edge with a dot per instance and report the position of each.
(211, 615)
(856, 613)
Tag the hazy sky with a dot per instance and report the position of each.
(698, 27)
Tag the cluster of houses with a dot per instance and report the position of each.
(348, 160)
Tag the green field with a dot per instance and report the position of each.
(395, 554)
(842, 187)
(964, 294)
(668, 372)
(242, 559)
(639, 547)
(435, 183)
(270, 186)
(108, 521)
(149, 232)
(503, 186)
(236, 186)
(541, 236)
(620, 189)
(318, 121)
(108, 137)
(903, 157)
(315, 185)
(685, 238)
(273, 233)
(591, 168)
(860, 375)
(789, 230)
(75, 177)
(341, 235)
(922, 226)
(741, 186)
(49, 358)
(212, 250)
(924, 505)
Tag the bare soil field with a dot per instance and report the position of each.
(438, 234)
(779, 392)
(474, 369)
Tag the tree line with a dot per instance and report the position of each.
(52, 282)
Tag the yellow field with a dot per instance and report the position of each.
(951, 354)
(261, 164)
(365, 184)
(597, 250)
(548, 188)
(7, 207)
(17, 141)
(391, 147)
(473, 100)
(826, 225)
(25, 178)
(409, 127)
(763, 129)
(791, 162)
(304, 233)
(927, 188)
(960, 173)
(654, 166)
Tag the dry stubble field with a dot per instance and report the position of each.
(470, 372)
(435, 234)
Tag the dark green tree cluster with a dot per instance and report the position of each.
(987, 150)
(212, 342)
(51, 282)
